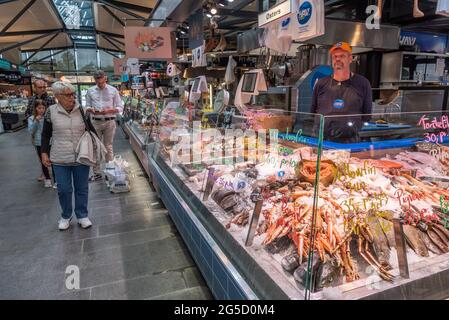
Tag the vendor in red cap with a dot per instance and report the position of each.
(342, 93)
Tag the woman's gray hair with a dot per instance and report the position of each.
(60, 86)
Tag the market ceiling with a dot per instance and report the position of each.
(32, 25)
(46, 24)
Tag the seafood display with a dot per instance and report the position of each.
(351, 226)
(340, 231)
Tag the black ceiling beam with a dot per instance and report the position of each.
(55, 48)
(49, 56)
(237, 7)
(112, 43)
(115, 40)
(56, 12)
(110, 34)
(106, 51)
(29, 33)
(122, 9)
(237, 13)
(147, 22)
(113, 15)
(25, 42)
(129, 6)
(230, 24)
(42, 47)
(112, 50)
(17, 17)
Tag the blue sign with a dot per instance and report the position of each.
(285, 23)
(304, 13)
(281, 173)
(4, 64)
(424, 42)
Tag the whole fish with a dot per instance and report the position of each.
(414, 240)
(380, 242)
(428, 242)
(387, 227)
(443, 230)
(436, 240)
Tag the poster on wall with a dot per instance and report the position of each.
(148, 43)
(196, 35)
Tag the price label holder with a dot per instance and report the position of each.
(401, 248)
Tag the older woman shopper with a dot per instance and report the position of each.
(64, 124)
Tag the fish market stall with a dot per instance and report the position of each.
(272, 209)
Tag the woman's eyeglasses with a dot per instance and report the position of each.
(68, 94)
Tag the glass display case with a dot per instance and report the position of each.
(140, 121)
(13, 112)
(287, 205)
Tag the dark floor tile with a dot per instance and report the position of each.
(149, 249)
(193, 277)
(129, 238)
(143, 224)
(155, 264)
(141, 288)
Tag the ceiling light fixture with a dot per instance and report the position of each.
(213, 10)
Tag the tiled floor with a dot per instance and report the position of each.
(133, 250)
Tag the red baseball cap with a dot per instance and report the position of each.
(341, 45)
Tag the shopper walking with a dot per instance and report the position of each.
(64, 124)
(35, 126)
(103, 102)
(40, 89)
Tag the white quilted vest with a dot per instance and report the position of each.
(67, 131)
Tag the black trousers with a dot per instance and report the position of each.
(44, 168)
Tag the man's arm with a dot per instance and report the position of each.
(118, 103)
(29, 110)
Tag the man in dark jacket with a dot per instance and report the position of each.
(40, 89)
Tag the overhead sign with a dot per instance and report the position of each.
(10, 77)
(423, 42)
(275, 13)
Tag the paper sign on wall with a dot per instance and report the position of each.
(132, 66)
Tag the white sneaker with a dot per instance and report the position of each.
(47, 183)
(64, 224)
(55, 186)
(85, 223)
